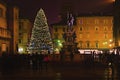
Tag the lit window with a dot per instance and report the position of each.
(96, 44)
(105, 35)
(88, 44)
(105, 28)
(96, 21)
(105, 21)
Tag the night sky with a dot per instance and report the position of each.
(52, 8)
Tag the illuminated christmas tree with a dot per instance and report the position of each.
(41, 37)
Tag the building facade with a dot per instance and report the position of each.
(92, 32)
(57, 32)
(13, 26)
(5, 34)
(25, 30)
(9, 23)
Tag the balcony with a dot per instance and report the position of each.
(4, 33)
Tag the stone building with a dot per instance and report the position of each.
(5, 34)
(13, 26)
(93, 32)
(9, 23)
(25, 30)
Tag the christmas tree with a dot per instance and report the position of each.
(41, 37)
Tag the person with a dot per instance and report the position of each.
(35, 61)
(62, 55)
(70, 20)
(46, 61)
(40, 61)
(71, 55)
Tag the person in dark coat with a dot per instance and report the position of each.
(40, 58)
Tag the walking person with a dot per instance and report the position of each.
(46, 61)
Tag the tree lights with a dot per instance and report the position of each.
(41, 37)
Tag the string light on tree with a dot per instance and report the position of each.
(41, 37)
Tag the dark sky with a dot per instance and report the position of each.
(52, 8)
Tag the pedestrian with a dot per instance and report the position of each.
(41, 57)
(71, 56)
(46, 61)
(35, 61)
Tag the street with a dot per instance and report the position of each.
(63, 71)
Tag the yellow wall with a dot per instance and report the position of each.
(3, 23)
(5, 34)
(94, 29)
(24, 34)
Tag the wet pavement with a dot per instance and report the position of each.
(63, 71)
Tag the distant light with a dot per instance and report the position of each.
(58, 41)
(20, 50)
(60, 44)
(113, 0)
(110, 45)
(110, 40)
(109, 63)
(104, 43)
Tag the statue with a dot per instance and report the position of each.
(70, 20)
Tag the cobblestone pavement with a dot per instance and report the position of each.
(63, 71)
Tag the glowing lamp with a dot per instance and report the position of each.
(110, 45)
(20, 50)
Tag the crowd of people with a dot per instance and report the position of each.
(39, 61)
(34, 61)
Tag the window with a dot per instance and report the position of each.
(96, 21)
(96, 44)
(56, 36)
(80, 21)
(96, 28)
(80, 44)
(56, 30)
(20, 41)
(105, 28)
(105, 21)
(81, 29)
(88, 44)
(105, 35)
(1, 12)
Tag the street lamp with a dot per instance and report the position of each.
(20, 50)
